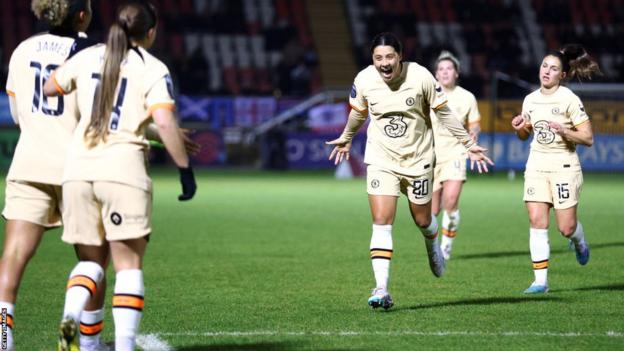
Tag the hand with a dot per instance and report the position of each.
(557, 128)
(187, 179)
(518, 122)
(192, 148)
(477, 156)
(341, 149)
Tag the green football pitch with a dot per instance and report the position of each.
(280, 261)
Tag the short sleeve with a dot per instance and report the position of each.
(473, 114)
(160, 95)
(576, 112)
(64, 77)
(356, 97)
(10, 83)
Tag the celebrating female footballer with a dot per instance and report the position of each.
(398, 97)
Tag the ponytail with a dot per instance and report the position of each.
(576, 62)
(116, 47)
(134, 20)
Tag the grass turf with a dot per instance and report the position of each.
(279, 261)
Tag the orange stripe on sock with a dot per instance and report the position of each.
(540, 264)
(449, 233)
(9, 321)
(381, 253)
(128, 301)
(91, 329)
(84, 281)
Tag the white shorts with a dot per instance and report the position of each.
(33, 202)
(97, 210)
(452, 169)
(381, 181)
(561, 189)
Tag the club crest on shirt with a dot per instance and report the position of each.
(353, 91)
(556, 111)
(115, 218)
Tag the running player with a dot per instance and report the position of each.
(450, 169)
(398, 97)
(553, 177)
(106, 188)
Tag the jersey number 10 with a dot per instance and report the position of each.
(40, 80)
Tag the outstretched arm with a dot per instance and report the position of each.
(476, 153)
(343, 143)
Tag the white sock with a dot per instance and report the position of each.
(82, 284)
(381, 253)
(450, 226)
(91, 325)
(430, 233)
(579, 234)
(6, 314)
(127, 307)
(540, 254)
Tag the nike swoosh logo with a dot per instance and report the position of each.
(373, 103)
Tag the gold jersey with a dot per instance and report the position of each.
(144, 85)
(549, 151)
(464, 106)
(46, 123)
(400, 136)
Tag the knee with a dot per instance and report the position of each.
(422, 221)
(538, 221)
(567, 229)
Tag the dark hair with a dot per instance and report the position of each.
(576, 62)
(134, 20)
(58, 13)
(386, 39)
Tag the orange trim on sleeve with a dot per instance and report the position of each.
(10, 93)
(440, 106)
(165, 105)
(358, 110)
(576, 125)
(83, 281)
(56, 84)
(470, 124)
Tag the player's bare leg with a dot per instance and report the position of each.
(451, 218)
(428, 225)
(572, 229)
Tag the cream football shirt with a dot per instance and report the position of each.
(46, 123)
(549, 151)
(464, 106)
(144, 85)
(400, 136)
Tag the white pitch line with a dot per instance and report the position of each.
(151, 342)
(217, 334)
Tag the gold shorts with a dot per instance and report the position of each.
(33, 202)
(561, 189)
(381, 181)
(97, 210)
(452, 169)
